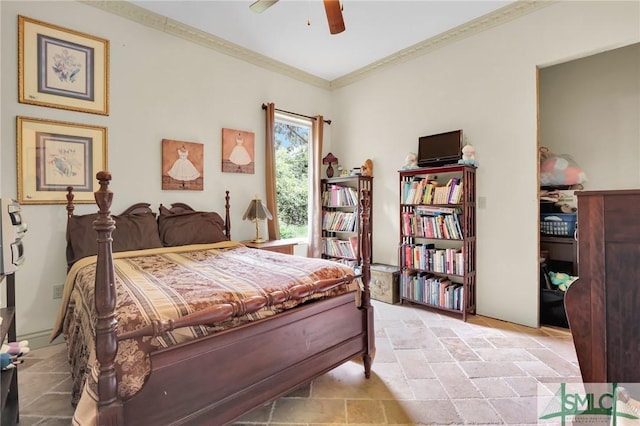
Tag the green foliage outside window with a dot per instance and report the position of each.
(292, 177)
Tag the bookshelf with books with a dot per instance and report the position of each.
(9, 413)
(437, 251)
(341, 213)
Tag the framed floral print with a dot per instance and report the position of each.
(54, 155)
(62, 68)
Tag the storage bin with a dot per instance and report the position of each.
(385, 283)
(558, 224)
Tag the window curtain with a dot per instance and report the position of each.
(315, 197)
(270, 171)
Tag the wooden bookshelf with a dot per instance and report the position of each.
(341, 217)
(437, 249)
(9, 379)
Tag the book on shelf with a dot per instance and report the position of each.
(427, 257)
(407, 255)
(410, 189)
(456, 193)
(452, 230)
(456, 222)
(427, 197)
(406, 223)
(333, 246)
(436, 226)
(339, 196)
(421, 190)
(451, 186)
(433, 210)
(417, 193)
(459, 263)
(350, 262)
(440, 194)
(338, 221)
(433, 222)
(432, 290)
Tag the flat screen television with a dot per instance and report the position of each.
(440, 149)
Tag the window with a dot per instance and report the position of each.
(292, 137)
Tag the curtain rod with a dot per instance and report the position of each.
(264, 106)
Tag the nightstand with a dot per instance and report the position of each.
(281, 246)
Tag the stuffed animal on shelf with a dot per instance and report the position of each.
(15, 348)
(468, 156)
(8, 362)
(410, 161)
(367, 168)
(11, 352)
(561, 280)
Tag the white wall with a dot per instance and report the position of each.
(590, 109)
(486, 85)
(161, 87)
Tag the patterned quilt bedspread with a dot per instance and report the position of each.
(169, 283)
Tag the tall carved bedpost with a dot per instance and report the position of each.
(70, 198)
(366, 279)
(227, 217)
(70, 209)
(110, 410)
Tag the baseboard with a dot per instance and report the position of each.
(40, 339)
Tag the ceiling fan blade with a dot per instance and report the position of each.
(260, 6)
(334, 16)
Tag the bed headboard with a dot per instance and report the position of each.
(138, 228)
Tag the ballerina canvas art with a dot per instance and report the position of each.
(182, 165)
(237, 151)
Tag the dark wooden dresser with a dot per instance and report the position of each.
(603, 305)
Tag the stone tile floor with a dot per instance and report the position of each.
(429, 368)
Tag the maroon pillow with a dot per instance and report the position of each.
(180, 229)
(133, 232)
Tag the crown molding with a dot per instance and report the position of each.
(483, 23)
(153, 20)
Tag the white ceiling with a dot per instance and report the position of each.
(374, 29)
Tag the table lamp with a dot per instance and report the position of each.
(256, 212)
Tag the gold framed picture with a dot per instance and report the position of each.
(62, 68)
(54, 155)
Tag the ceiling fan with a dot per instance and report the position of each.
(332, 7)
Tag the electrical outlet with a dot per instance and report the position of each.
(57, 291)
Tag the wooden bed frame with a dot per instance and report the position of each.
(220, 377)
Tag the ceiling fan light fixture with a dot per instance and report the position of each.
(334, 16)
(333, 8)
(260, 6)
